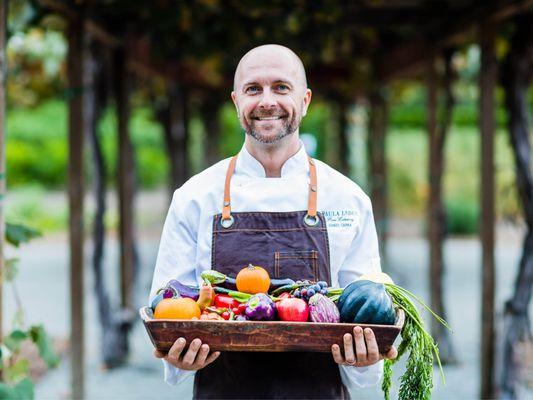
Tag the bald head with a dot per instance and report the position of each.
(271, 54)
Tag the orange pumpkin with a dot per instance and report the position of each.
(253, 279)
(182, 308)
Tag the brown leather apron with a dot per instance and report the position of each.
(288, 245)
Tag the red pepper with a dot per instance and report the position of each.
(242, 308)
(225, 301)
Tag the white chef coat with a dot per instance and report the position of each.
(185, 247)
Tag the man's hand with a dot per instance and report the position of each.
(366, 349)
(196, 357)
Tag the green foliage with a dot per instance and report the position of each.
(10, 269)
(23, 390)
(231, 134)
(14, 340)
(16, 383)
(31, 206)
(44, 344)
(462, 216)
(17, 234)
(37, 146)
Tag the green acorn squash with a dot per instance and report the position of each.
(366, 302)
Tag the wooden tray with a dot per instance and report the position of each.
(269, 336)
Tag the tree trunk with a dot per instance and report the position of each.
(438, 127)
(116, 321)
(516, 76)
(174, 119)
(97, 95)
(377, 165)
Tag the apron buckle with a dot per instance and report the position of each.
(227, 223)
(311, 221)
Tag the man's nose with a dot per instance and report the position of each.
(268, 99)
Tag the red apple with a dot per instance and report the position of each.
(292, 309)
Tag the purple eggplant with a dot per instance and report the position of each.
(178, 289)
(260, 307)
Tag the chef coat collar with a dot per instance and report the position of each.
(248, 165)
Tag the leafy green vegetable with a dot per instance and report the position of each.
(239, 296)
(417, 381)
(213, 277)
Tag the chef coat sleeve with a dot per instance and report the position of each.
(176, 259)
(363, 257)
(363, 254)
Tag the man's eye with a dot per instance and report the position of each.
(252, 89)
(283, 88)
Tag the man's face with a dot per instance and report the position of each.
(270, 96)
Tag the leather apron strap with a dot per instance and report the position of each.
(310, 219)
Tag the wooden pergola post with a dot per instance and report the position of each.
(3, 73)
(376, 147)
(126, 181)
(487, 83)
(75, 65)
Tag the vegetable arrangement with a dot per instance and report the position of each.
(253, 296)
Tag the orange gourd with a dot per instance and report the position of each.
(182, 308)
(253, 279)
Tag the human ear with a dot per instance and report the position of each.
(234, 99)
(306, 100)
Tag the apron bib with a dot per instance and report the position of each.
(288, 245)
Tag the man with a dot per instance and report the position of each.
(271, 205)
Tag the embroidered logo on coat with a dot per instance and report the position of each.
(341, 219)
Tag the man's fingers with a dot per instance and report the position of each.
(212, 357)
(391, 354)
(177, 348)
(371, 346)
(202, 355)
(360, 346)
(349, 355)
(190, 355)
(337, 356)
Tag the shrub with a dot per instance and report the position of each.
(462, 216)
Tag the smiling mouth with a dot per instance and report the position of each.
(268, 118)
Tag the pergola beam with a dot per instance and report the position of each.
(97, 32)
(409, 57)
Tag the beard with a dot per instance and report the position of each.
(288, 127)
